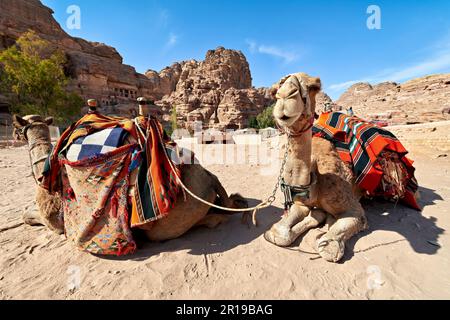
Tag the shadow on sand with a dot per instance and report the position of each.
(422, 233)
(201, 240)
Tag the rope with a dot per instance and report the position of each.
(254, 209)
(317, 255)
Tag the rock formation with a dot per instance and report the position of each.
(217, 91)
(322, 99)
(416, 101)
(97, 69)
(196, 89)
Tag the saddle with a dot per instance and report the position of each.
(377, 158)
(114, 175)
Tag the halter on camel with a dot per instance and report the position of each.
(302, 191)
(39, 142)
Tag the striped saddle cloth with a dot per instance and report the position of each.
(377, 158)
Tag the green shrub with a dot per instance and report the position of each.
(263, 120)
(33, 78)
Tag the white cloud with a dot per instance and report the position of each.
(343, 85)
(435, 63)
(286, 55)
(163, 18)
(173, 39)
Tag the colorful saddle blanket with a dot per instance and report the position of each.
(95, 203)
(376, 156)
(102, 200)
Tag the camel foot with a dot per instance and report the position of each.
(281, 236)
(32, 219)
(330, 249)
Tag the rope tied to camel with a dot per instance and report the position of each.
(254, 210)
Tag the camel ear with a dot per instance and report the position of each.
(314, 84)
(273, 91)
(48, 121)
(19, 122)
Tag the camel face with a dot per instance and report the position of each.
(290, 105)
(295, 96)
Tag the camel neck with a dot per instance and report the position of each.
(39, 150)
(298, 166)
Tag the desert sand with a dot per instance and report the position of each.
(404, 254)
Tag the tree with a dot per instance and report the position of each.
(174, 118)
(173, 121)
(34, 79)
(263, 120)
(253, 123)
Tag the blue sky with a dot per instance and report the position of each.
(329, 39)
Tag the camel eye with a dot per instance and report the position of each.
(292, 93)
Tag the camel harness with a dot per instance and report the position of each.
(290, 192)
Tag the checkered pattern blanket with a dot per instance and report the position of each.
(95, 144)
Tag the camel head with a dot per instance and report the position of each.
(296, 100)
(32, 128)
(35, 131)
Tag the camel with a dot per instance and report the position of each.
(187, 212)
(327, 191)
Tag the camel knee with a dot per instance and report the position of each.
(314, 219)
(348, 224)
(281, 233)
(295, 215)
(50, 210)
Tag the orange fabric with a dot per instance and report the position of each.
(156, 187)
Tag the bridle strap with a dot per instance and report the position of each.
(32, 146)
(297, 134)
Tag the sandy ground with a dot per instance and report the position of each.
(404, 255)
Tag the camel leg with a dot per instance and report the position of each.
(50, 207)
(281, 233)
(32, 218)
(331, 246)
(211, 221)
(315, 218)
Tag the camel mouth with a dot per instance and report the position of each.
(286, 121)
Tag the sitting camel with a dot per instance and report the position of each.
(186, 213)
(324, 186)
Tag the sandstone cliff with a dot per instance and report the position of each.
(419, 100)
(217, 91)
(97, 69)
